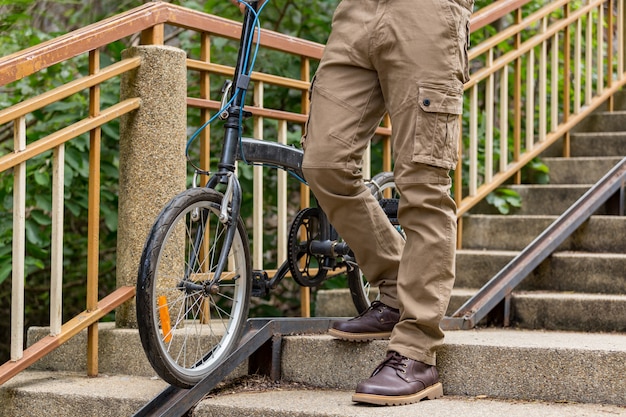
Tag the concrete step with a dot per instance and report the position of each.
(333, 403)
(511, 364)
(119, 353)
(544, 199)
(68, 394)
(589, 144)
(601, 143)
(579, 170)
(494, 363)
(603, 121)
(563, 271)
(549, 310)
(598, 234)
(569, 311)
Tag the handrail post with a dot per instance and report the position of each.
(19, 245)
(93, 228)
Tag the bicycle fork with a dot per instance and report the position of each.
(229, 213)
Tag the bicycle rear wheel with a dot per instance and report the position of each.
(188, 328)
(383, 187)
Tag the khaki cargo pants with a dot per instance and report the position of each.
(407, 58)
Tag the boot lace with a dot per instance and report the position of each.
(375, 305)
(393, 360)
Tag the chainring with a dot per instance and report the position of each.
(305, 267)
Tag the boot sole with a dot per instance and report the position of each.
(358, 337)
(430, 393)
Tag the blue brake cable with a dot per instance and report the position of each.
(247, 72)
(237, 90)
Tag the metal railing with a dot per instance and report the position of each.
(151, 22)
(533, 80)
(525, 94)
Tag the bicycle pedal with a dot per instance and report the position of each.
(260, 284)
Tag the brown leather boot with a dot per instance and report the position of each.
(376, 322)
(399, 380)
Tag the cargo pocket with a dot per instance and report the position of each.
(437, 127)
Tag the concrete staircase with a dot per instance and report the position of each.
(564, 354)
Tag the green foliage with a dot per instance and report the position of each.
(25, 23)
(536, 172)
(504, 199)
(18, 32)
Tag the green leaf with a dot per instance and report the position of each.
(33, 233)
(73, 207)
(42, 178)
(44, 201)
(503, 199)
(41, 218)
(5, 271)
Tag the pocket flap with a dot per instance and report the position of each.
(439, 100)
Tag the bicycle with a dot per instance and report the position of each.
(195, 278)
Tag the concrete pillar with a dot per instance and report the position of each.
(152, 160)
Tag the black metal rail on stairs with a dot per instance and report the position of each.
(499, 288)
(261, 344)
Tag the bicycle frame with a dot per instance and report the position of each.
(256, 151)
(273, 154)
(248, 150)
(210, 290)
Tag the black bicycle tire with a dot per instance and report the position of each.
(358, 291)
(145, 299)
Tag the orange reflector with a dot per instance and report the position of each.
(164, 314)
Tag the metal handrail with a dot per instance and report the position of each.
(500, 287)
(501, 68)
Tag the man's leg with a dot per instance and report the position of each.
(346, 108)
(422, 68)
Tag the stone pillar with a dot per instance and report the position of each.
(152, 154)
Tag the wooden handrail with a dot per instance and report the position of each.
(513, 29)
(66, 90)
(569, 120)
(21, 64)
(255, 76)
(262, 112)
(55, 139)
(70, 329)
(493, 12)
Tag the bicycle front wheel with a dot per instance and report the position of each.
(383, 187)
(188, 327)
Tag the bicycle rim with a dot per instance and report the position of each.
(187, 329)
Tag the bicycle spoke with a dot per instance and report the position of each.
(205, 324)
